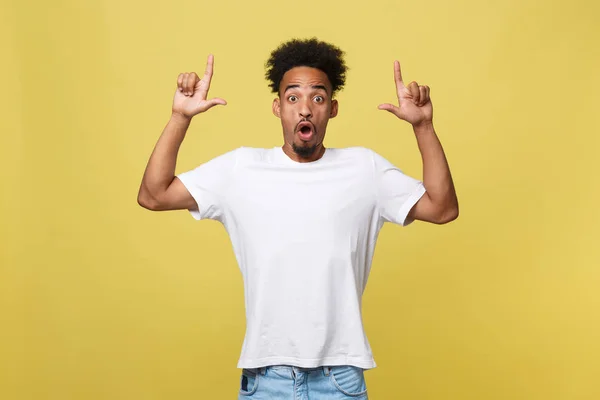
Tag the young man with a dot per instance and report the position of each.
(303, 219)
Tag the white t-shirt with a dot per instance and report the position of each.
(303, 235)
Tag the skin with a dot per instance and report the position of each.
(439, 204)
(305, 95)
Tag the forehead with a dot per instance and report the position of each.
(304, 76)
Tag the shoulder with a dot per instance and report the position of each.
(356, 152)
(253, 155)
(366, 158)
(359, 155)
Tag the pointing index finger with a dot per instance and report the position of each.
(209, 65)
(398, 74)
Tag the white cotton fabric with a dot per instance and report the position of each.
(304, 236)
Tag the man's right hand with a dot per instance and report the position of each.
(190, 97)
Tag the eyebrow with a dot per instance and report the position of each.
(288, 87)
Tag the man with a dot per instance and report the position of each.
(303, 219)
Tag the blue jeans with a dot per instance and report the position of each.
(281, 382)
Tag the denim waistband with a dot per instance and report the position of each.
(291, 370)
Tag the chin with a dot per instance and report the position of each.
(305, 149)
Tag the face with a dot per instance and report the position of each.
(304, 106)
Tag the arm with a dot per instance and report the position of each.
(439, 204)
(160, 189)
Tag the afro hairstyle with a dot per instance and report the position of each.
(308, 53)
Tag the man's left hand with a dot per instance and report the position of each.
(414, 104)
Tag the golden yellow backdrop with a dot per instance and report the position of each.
(101, 299)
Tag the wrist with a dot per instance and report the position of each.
(423, 126)
(179, 117)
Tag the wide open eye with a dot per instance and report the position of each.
(293, 98)
(319, 99)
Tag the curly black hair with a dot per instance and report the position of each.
(309, 53)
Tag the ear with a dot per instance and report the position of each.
(277, 107)
(334, 108)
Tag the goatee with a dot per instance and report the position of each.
(304, 151)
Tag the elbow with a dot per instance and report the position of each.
(147, 201)
(449, 215)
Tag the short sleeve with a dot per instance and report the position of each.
(397, 193)
(207, 184)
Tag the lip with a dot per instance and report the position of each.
(305, 136)
(303, 124)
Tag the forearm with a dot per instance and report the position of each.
(160, 170)
(436, 172)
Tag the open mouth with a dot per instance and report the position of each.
(305, 130)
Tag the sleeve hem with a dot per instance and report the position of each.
(409, 204)
(197, 214)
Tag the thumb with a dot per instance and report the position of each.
(216, 101)
(391, 108)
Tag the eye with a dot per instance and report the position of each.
(292, 98)
(319, 99)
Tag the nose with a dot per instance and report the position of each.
(305, 110)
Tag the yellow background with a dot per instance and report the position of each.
(101, 299)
